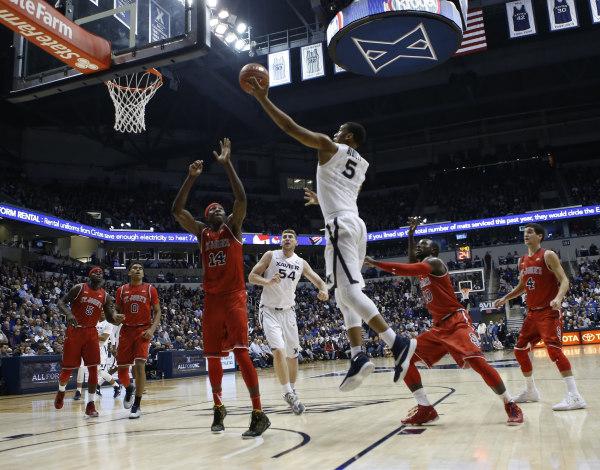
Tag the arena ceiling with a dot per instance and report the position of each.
(203, 101)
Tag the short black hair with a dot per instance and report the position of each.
(538, 229)
(358, 131)
(133, 263)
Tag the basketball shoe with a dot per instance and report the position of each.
(219, 415)
(296, 406)
(259, 423)
(90, 410)
(515, 415)
(528, 396)
(136, 412)
(59, 400)
(360, 368)
(573, 401)
(421, 415)
(77, 395)
(117, 390)
(128, 399)
(403, 350)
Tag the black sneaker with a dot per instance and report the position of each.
(360, 368)
(128, 400)
(77, 395)
(117, 391)
(98, 391)
(403, 350)
(219, 415)
(259, 423)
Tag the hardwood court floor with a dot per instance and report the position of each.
(358, 430)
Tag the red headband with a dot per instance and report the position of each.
(209, 207)
(95, 269)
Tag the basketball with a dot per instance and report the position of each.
(253, 70)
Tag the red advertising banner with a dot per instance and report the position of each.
(42, 25)
(569, 338)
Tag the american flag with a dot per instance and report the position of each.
(474, 38)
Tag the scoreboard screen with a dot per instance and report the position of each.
(463, 253)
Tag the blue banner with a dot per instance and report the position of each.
(49, 221)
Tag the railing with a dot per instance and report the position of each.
(288, 39)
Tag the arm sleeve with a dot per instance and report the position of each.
(405, 269)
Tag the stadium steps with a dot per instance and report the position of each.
(515, 322)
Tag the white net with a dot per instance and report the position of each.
(130, 95)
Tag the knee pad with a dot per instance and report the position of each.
(559, 358)
(93, 375)
(489, 375)
(522, 357)
(64, 376)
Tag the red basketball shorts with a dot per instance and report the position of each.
(132, 345)
(81, 343)
(224, 323)
(454, 336)
(539, 325)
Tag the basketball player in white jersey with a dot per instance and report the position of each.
(340, 174)
(279, 272)
(104, 334)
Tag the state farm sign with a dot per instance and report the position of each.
(54, 33)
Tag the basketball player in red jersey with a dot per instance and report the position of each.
(89, 302)
(138, 302)
(225, 318)
(545, 283)
(452, 332)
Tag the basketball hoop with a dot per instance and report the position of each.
(130, 95)
(464, 292)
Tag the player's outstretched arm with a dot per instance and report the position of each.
(256, 275)
(240, 203)
(67, 299)
(553, 263)
(311, 139)
(402, 269)
(516, 292)
(183, 216)
(316, 281)
(413, 223)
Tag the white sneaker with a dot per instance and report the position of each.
(527, 396)
(571, 402)
(294, 402)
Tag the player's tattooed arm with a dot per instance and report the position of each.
(438, 268)
(316, 281)
(67, 299)
(256, 275)
(310, 198)
(553, 263)
(240, 203)
(183, 216)
(315, 140)
(110, 312)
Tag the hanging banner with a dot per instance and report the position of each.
(520, 19)
(595, 9)
(160, 23)
(563, 14)
(279, 68)
(311, 58)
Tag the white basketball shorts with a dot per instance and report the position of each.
(281, 329)
(345, 251)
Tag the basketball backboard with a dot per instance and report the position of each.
(142, 34)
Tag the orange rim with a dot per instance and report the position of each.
(156, 84)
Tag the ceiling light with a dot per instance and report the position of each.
(211, 3)
(241, 28)
(223, 14)
(230, 38)
(221, 29)
(239, 44)
(214, 22)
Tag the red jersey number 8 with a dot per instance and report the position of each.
(134, 308)
(89, 310)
